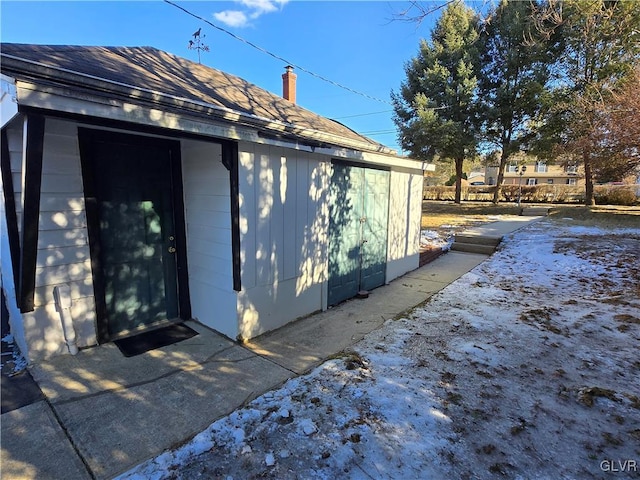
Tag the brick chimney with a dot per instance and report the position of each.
(289, 84)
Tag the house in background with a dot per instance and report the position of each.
(538, 173)
(140, 188)
(476, 177)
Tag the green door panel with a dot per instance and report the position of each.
(357, 231)
(375, 226)
(344, 233)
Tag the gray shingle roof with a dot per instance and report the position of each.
(152, 69)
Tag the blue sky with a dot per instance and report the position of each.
(354, 43)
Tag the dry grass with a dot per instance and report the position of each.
(608, 216)
(435, 214)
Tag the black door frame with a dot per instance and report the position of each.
(85, 137)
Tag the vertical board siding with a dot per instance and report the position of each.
(263, 207)
(289, 187)
(398, 222)
(208, 222)
(318, 222)
(247, 200)
(414, 211)
(284, 219)
(284, 213)
(278, 222)
(302, 229)
(405, 209)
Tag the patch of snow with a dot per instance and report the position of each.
(284, 454)
(269, 459)
(442, 239)
(12, 360)
(307, 426)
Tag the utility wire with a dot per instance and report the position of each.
(364, 114)
(379, 132)
(277, 57)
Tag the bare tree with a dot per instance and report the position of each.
(416, 12)
(617, 132)
(601, 47)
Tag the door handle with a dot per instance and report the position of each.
(172, 249)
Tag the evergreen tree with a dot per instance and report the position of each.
(436, 105)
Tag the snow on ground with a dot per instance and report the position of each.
(442, 239)
(12, 360)
(444, 236)
(527, 368)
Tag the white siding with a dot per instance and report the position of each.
(283, 220)
(63, 249)
(14, 135)
(208, 223)
(405, 210)
(14, 139)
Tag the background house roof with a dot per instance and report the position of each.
(151, 69)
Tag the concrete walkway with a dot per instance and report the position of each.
(104, 413)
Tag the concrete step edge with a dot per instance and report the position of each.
(473, 248)
(478, 239)
(535, 211)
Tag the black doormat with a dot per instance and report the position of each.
(132, 346)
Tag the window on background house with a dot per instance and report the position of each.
(512, 168)
(550, 181)
(541, 167)
(571, 181)
(572, 169)
(532, 181)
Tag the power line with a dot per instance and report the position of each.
(277, 57)
(364, 114)
(379, 132)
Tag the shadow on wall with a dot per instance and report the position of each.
(404, 235)
(313, 270)
(63, 259)
(288, 221)
(345, 255)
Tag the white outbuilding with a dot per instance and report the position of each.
(140, 188)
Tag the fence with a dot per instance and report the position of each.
(604, 194)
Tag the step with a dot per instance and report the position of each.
(535, 211)
(473, 248)
(477, 239)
